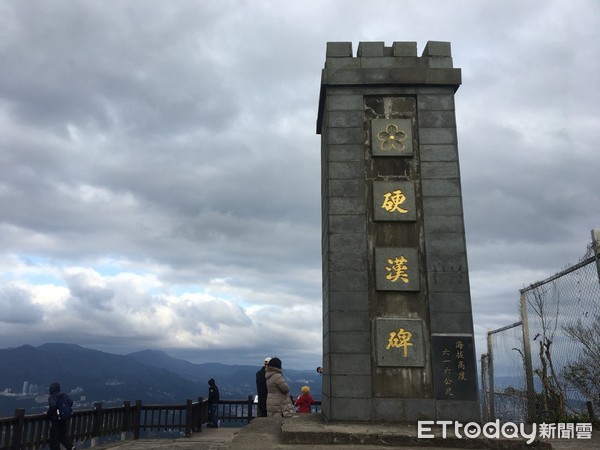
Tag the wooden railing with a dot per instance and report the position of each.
(124, 422)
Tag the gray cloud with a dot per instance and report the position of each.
(159, 165)
(17, 308)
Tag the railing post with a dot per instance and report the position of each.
(136, 419)
(18, 430)
(188, 418)
(126, 421)
(250, 403)
(96, 424)
(202, 412)
(198, 424)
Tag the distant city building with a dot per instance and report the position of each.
(25, 387)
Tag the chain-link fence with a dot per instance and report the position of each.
(506, 375)
(547, 366)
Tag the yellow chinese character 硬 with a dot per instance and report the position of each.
(397, 270)
(393, 200)
(400, 339)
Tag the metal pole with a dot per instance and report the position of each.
(531, 410)
(491, 377)
(596, 247)
(484, 390)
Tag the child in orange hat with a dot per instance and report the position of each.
(304, 401)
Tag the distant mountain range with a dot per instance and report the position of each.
(150, 375)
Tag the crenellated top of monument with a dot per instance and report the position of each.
(375, 63)
(378, 49)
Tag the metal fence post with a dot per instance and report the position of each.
(531, 408)
(485, 410)
(596, 247)
(491, 377)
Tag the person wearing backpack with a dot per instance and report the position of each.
(213, 403)
(60, 410)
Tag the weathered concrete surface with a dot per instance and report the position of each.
(309, 431)
(209, 439)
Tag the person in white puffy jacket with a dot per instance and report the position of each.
(279, 402)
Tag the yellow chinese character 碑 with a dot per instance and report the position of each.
(393, 200)
(397, 270)
(400, 339)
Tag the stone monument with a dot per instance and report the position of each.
(397, 323)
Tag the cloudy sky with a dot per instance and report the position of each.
(160, 168)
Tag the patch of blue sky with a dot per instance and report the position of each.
(44, 278)
(182, 289)
(179, 290)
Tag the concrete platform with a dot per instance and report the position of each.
(309, 431)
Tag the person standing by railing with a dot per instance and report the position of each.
(304, 401)
(261, 390)
(213, 403)
(59, 412)
(278, 399)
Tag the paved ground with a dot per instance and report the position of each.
(305, 432)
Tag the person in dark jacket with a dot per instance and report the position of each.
(59, 426)
(261, 390)
(213, 403)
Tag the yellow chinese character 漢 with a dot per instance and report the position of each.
(397, 270)
(393, 200)
(400, 339)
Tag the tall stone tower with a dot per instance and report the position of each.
(397, 323)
